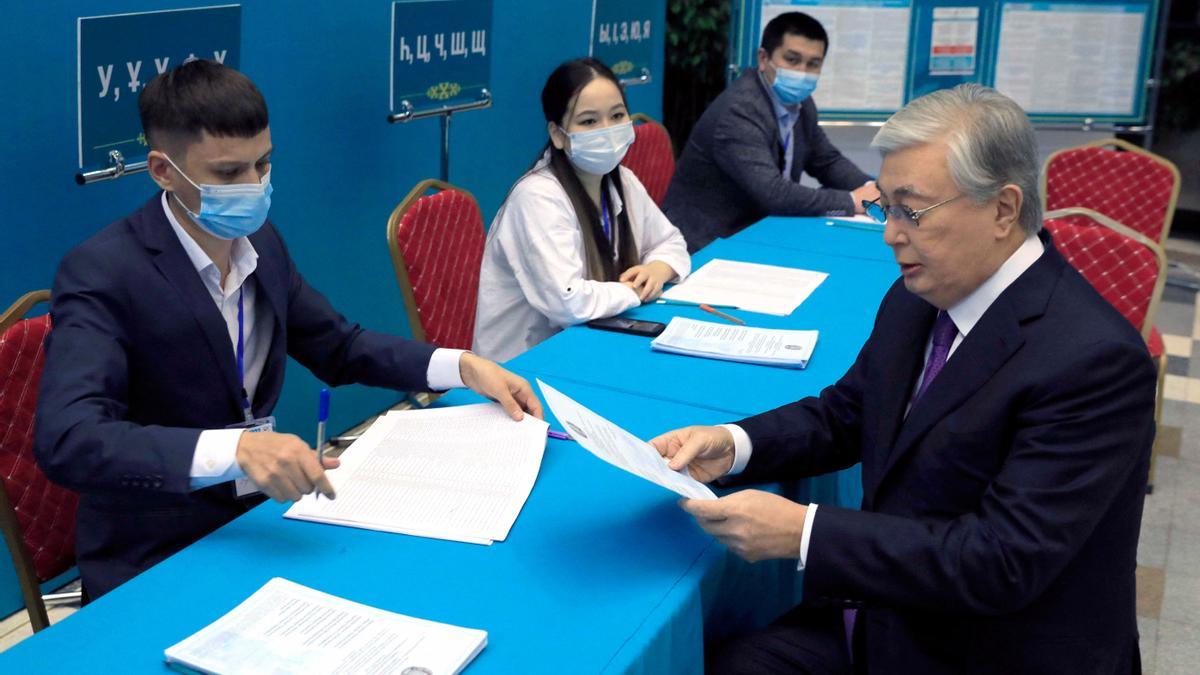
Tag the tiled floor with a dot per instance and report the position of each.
(1168, 573)
(1169, 549)
(16, 627)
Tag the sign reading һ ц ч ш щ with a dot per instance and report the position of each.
(441, 52)
(119, 54)
(621, 31)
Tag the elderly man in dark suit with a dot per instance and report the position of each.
(172, 328)
(1003, 414)
(745, 156)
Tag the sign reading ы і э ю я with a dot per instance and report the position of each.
(621, 31)
(121, 53)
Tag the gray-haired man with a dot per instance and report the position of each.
(1003, 414)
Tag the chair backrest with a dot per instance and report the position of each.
(1126, 267)
(436, 241)
(38, 517)
(650, 157)
(1138, 189)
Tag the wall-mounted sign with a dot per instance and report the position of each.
(621, 36)
(441, 52)
(119, 54)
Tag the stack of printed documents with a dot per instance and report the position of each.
(461, 473)
(764, 346)
(288, 628)
(618, 447)
(767, 289)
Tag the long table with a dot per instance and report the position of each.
(602, 572)
(842, 309)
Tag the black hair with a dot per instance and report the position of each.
(563, 87)
(197, 96)
(792, 23)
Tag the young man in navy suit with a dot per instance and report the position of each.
(172, 328)
(745, 156)
(1003, 414)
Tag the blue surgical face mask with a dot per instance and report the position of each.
(793, 87)
(599, 151)
(230, 211)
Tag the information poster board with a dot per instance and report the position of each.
(119, 54)
(621, 31)
(440, 52)
(1076, 61)
(950, 40)
(1095, 51)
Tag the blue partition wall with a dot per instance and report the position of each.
(339, 168)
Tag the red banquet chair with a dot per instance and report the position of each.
(1134, 187)
(1126, 267)
(37, 517)
(436, 241)
(650, 157)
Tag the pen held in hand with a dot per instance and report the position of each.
(322, 418)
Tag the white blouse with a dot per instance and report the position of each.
(532, 283)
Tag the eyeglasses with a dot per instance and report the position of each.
(880, 213)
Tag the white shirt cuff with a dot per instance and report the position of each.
(443, 372)
(804, 536)
(215, 458)
(741, 448)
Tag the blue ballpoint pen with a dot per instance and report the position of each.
(322, 418)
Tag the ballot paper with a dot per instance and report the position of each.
(751, 287)
(288, 628)
(461, 473)
(764, 346)
(618, 447)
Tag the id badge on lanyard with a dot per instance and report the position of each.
(244, 487)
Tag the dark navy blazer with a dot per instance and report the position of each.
(999, 524)
(139, 362)
(730, 173)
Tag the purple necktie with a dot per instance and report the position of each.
(944, 332)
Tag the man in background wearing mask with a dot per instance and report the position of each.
(745, 155)
(171, 332)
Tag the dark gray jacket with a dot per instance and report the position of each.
(730, 175)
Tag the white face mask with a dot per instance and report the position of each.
(599, 151)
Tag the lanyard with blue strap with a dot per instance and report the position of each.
(604, 216)
(241, 357)
(244, 487)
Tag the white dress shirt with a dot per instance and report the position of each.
(965, 314)
(532, 282)
(214, 459)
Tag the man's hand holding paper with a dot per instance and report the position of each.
(706, 452)
(754, 524)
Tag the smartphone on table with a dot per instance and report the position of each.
(618, 324)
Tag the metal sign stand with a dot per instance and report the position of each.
(408, 114)
(644, 78)
(116, 168)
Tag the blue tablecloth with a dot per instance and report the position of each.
(602, 571)
(842, 309)
(819, 235)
